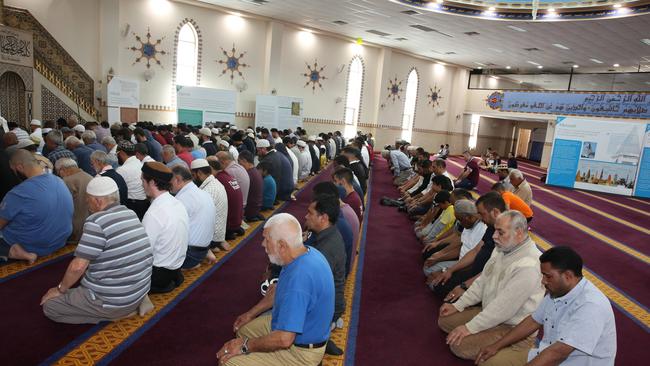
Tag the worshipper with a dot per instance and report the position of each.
(269, 187)
(27, 229)
(19, 132)
(473, 230)
(461, 275)
(280, 169)
(357, 167)
(10, 141)
(78, 130)
(205, 135)
(512, 161)
(82, 152)
(343, 162)
(142, 152)
(503, 173)
(36, 134)
(54, 143)
(577, 319)
(169, 157)
(343, 177)
(421, 205)
(202, 175)
(8, 179)
(285, 148)
(314, 153)
(102, 164)
(113, 261)
(67, 132)
(182, 147)
(332, 143)
(321, 218)
(131, 171)
(202, 214)
(235, 198)
(469, 178)
(236, 171)
(153, 147)
(111, 148)
(44, 162)
(296, 331)
(90, 139)
(76, 180)
(363, 148)
(509, 289)
(512, 201)
(167, 225)
(443, 223)
(304, 159)
(522, 188)
(400, 165)
(256, 187)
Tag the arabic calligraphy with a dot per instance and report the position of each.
(14, 46)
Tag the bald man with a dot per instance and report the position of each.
(26, 226)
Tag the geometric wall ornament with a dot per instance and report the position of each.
(394, 89)
(434, 96)
(314, 76)
(148, 51)
(495, 100)
(232, 63)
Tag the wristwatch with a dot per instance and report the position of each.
(58, 287)
(244, 347)
(463, 285)
(444, 269)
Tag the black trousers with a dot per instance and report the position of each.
(456, 279)
(140, 207)
(165, 280)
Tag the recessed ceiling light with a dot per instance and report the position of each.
(596, 60)
(508, 67)
(576, 66)
(517, 28)
(540, 67)
(616, 65)
(561, 46)
(646, 41)
(533, 63)
(480, 67)
(617, 6)
(492, 8)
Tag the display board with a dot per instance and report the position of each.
(197, 105)
(121, 93)
(642, 188)
(279, 112)
(596, 155)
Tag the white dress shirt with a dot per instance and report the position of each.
(233, 151)
(304, 162)
(295, 165)
(470, 238)
(220, 200)
(366, 156)
(167, 226)
(201, 212)
(131, 171)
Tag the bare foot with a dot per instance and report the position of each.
(210, 257)
(17, 252)
(225, 246)
(145, 306)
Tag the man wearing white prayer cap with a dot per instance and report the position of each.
(205, 135)
(113, 260)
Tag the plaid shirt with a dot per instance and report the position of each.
(60, 152)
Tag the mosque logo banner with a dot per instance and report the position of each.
(621, 105)
(596, 155)
(16, 47)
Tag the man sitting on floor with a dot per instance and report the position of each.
(76, 180)
(202, 175)
(522, 188)
(469, 178)
(113, 256)
(167, 226)
(297, 329)
(513, 201)
(578, 321)
(256, 188)
(344, 177)
(235, 199)
(509, 289)
(27, 227)
(202, 215)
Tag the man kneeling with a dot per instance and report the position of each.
(296, 331)
(113, 256)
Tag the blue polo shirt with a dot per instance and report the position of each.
(39, 211)
(268, 192)
(304, 298)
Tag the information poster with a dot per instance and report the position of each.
(596, 155)
(278, 112)
(197, 105)
(642, 188)
(121, 93)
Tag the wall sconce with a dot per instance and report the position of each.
(149, 74)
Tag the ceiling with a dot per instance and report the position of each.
(467, 41)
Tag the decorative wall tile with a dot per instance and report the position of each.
(52, 108)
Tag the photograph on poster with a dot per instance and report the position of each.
(295, 108)
(588, 150)
(605, 176)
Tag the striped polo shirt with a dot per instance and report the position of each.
(117, 246)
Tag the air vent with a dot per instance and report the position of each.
(568, 62)
(377, 32)
(471, 34)
(340, 22)
(532, 49)
(423, 28)
(410, 12)
(517, 28)
(646, 41)
(450, 53)
(401, 39)
(255, 2)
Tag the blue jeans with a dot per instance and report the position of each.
(194, 256)
(465, 183)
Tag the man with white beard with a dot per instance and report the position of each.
(508, 290)
(297, 329)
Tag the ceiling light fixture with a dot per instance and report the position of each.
(480, 67)
(621, 11)
(561, 46)
(508, 67)
(439, 1)
(576, 66)
(595, 60)
(492, 8)
(540, 67)
(616, 65)
(616, 6)
(551, 10)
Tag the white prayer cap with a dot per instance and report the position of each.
(199, 163)
(312, 138)
(205, 131)
(215, 131)
(224, 143)
(79, 128)
(249, 130)
(263, 143)
(24, 143)
(233, 127)
(319, 138)
(35, 122)
(47, 130)
(131, 126)
(101, 186)
(301, 143)
(251, 135)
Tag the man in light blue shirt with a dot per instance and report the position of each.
(401, 166)
(578, 320)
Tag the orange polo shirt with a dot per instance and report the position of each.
(516, 203)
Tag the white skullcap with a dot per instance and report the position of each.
(301, 143)
(199, 163)
(47, 130)
(263, 143)
(79, 128)
(319, 138)
(249, 130)
(233, 127)
(205, 131)
(131, 127)
(215, 131)
(224, 143)
(35, 122)
(24, 143)
(101, 186)
(251, 135)
(312, 138)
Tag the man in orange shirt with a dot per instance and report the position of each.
(513, 201)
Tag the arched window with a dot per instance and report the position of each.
(186, 56)
(409, 105)
(353, 99)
